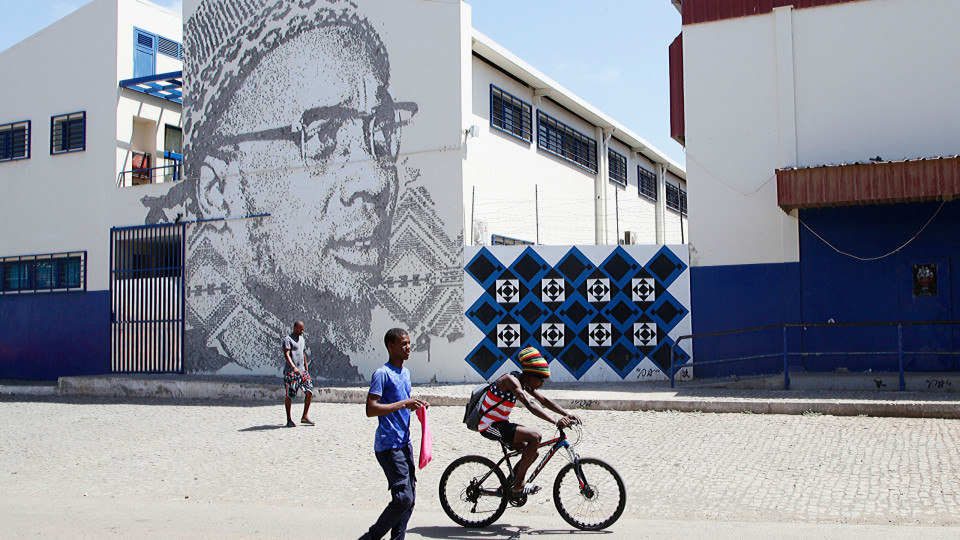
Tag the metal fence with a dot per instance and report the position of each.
(884, 339)
(171, 172)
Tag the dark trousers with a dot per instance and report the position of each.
(397, 465)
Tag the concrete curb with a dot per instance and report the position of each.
(17, 390)
(155, 388)
(723, 401)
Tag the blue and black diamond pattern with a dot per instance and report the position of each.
(576, 312)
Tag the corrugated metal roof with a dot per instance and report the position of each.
(875, 182)
(699, 11)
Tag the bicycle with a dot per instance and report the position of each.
(588, 493)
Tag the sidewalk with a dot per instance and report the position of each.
(832, 394)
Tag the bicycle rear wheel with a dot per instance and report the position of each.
(472, 491)
(594, 504)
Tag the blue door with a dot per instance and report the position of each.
(925, 296)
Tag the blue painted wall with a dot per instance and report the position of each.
(828, 286)
(45, 336)
(736, 297)
(845, 289)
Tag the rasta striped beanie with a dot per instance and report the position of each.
(533, 364)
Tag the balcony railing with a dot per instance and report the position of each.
(142, 173)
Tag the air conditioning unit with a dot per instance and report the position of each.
(480, 235)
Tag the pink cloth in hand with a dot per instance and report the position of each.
(426, 440)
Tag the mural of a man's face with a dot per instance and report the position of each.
(311, 137)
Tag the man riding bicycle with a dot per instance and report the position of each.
(500, 399)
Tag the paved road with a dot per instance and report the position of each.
(679, 467)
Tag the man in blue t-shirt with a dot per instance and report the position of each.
(389, 399)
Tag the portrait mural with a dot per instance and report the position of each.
(314, 189)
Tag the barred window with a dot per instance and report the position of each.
(15, 141)
(618, 167)
(43, 273)
(511, 115)
(683, 202)
(68, 133)
(673, 197)
(558, 138)
(647, 182)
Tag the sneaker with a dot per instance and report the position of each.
(528, 489)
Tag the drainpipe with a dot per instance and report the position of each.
(661, 206)
(603, 135)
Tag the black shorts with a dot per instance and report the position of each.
(501, 431)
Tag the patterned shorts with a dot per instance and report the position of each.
(293, 382)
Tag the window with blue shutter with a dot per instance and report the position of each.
(169, 48)
(144, 53)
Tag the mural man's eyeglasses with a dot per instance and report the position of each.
(322, 133)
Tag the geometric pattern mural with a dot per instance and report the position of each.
(619, 307)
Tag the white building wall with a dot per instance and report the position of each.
(518, 190)
(628, 210)
(56, 203)
(515, 189)
(731, 142)
(68, 202)
(905, 53)
(786, 89)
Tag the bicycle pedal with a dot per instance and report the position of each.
(518, 500)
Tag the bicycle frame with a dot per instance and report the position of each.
(556, 444)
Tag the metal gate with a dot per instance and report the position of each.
(146, 298)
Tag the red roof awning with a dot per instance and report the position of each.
(700, 11)
(880, 182)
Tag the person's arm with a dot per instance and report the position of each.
(375, 408)
(511, 384)
(552, 405)
(289, 357)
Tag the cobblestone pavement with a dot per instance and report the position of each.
(677, 466)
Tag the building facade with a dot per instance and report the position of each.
(820, 140)
(67, 134)
(340, 191)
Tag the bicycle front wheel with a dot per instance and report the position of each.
(591, 498)
(472, 491)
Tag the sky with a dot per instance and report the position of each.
(611, 53)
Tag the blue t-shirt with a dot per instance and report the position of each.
(392, 384)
